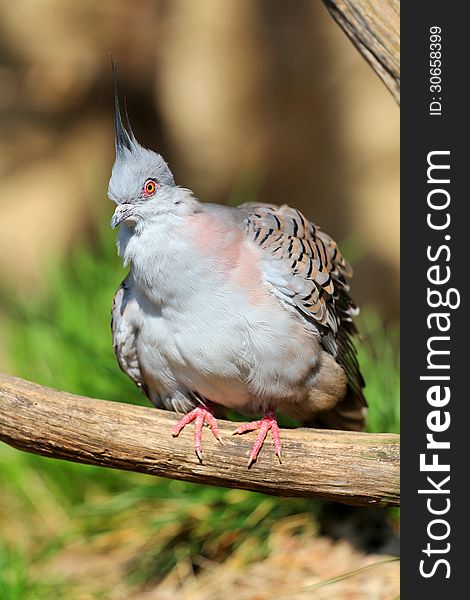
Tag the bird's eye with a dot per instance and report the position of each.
(149, 187)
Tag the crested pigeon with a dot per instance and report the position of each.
(244, 308)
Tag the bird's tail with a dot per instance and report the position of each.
(350, 413)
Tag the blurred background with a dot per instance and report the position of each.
(246, 100)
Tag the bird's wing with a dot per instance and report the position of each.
(124, 332)
(306, 270)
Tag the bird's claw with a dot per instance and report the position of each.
(201, 415)
(268, 422)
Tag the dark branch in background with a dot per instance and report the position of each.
(354, 468)
(373, 26)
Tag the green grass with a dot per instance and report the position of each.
(379, 358)
(16, 582)
(62, 338)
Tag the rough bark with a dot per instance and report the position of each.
(353, 468)
(373, 26)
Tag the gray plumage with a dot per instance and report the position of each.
(245, 308)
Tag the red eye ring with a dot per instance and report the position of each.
(150, 187)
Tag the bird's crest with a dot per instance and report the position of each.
(123, 138)
(134, 164)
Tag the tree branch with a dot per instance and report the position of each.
(354, 468)
(373, 26)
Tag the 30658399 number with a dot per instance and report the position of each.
(435, 70)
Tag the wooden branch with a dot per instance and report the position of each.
(373, 26)
(354, 468)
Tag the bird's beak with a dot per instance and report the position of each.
(122, 212)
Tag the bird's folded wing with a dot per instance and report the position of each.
(306, 270)
(124, 332)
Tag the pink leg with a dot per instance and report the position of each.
(201, 415)
(268, 422)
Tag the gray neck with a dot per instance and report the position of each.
(162, 260)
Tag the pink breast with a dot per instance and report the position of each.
(232, 253)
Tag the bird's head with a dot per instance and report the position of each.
(141, 182)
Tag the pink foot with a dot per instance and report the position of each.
(201, 414)
(268, 422)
